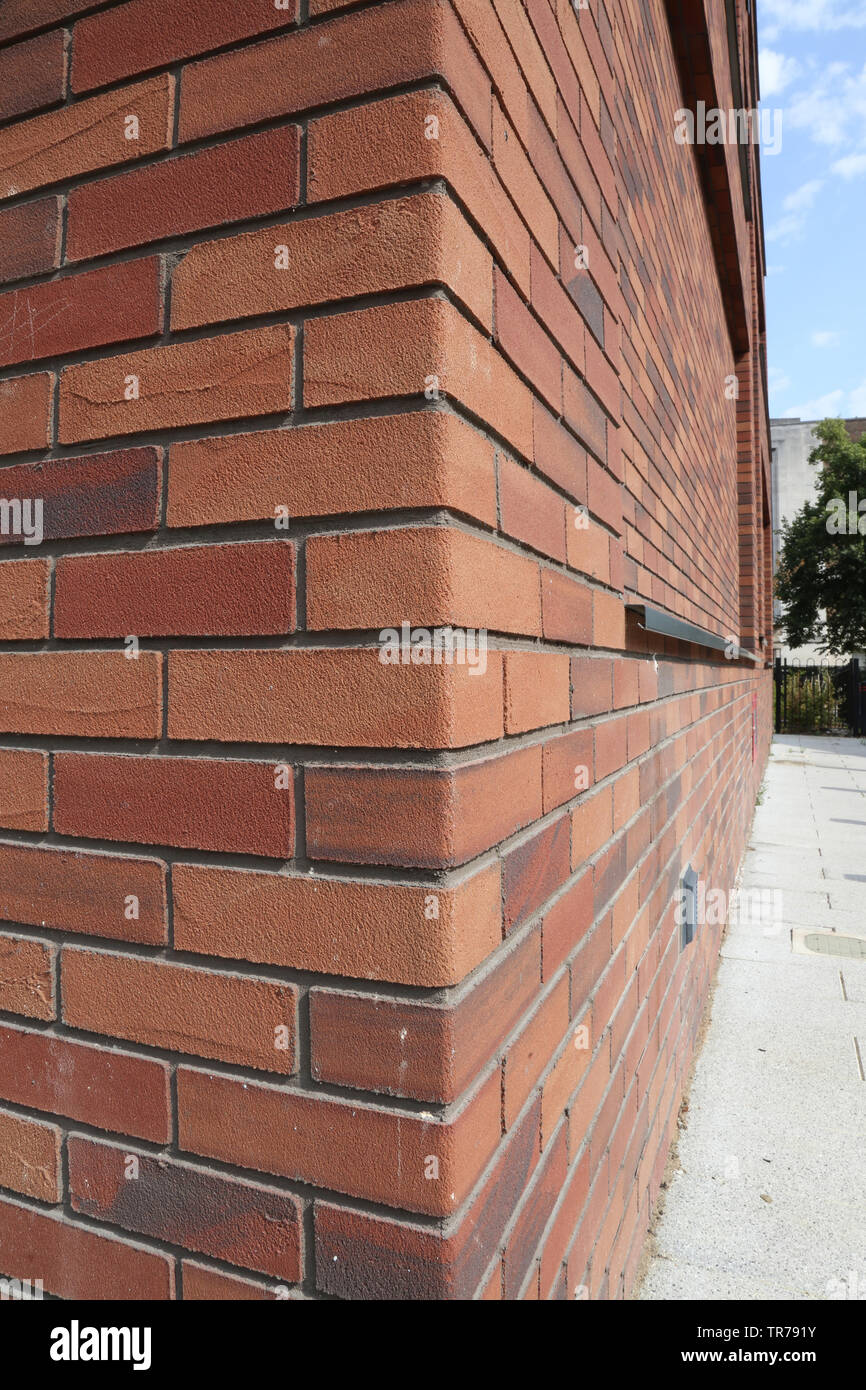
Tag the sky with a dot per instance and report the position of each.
(812, 57)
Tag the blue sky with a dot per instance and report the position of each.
(813, 69)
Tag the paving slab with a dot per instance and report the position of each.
(765, 1198)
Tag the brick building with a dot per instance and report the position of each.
(323, 973)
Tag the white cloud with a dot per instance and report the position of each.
(823, 339)
(777, 71)
(857, 400)
(833, 109)
(817, 409)
(804, 196)
(850, 166)
(775, 270)
(795, 207)
(803, 15)
(777, 381)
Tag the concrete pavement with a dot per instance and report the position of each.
(766, 1200)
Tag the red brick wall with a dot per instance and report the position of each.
(320, 975)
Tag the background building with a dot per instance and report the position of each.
(794, 484)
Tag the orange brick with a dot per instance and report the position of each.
(524, 186)
(88, 694)
(437, 576)
(394, 245)
(24, 590)
(23, 789)
(232, 1018)
(380, 1155)
(279, 697)
(382, 143)
(30, 1157)
(25, 412)
(530, 1053)
(184, 384)
(424, 458)
(365, 930)
(354, 54)
(405, 349)
(536, 690)
(85, 136)
(27, 977)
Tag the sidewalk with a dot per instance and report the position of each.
(766, 1199)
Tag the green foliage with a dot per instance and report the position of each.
(822, 563)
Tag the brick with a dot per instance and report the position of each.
(81, 311)
(557, 453)
(144, 34)
(78, 891)
(203, 1284)
(567, 767)
(583, 414)
(427, 819)
(605, 496)
(561, 1082)
(21, 16)
(27, 977)
(592, 826)
(534, 1215)
(589, 548)
(437, 575)
(32, 75)
(250, 177)
(551, 304)
(531, 1051)
(275, 697)
(363, 930)
(25, 412)
(29, 239)
(531, 511)
(224, 590)
(566, 606)
(23, 789)
(195, 803)
(30, 1157)
(88, 694)
(513, 18)
(525, 341)
(241, 1222)
(591, 690)
(24, 594)
(566, 923)
(380, 1155)
(608, 620)
(75, 1262)
(231, 1018)
(536, 690)
(369, 250)
(341, 466)
(533, 870)
(359, 1255)
(408, 1048)
(94, 495)
(524, 186)
(88, 135)
(99, 1086)
(394, 349)
(355, 54)
(183, 384)
(381, 144)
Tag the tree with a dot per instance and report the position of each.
(821, 574)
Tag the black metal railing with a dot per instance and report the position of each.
(820, 697)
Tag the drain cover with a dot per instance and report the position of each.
(830, 943)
